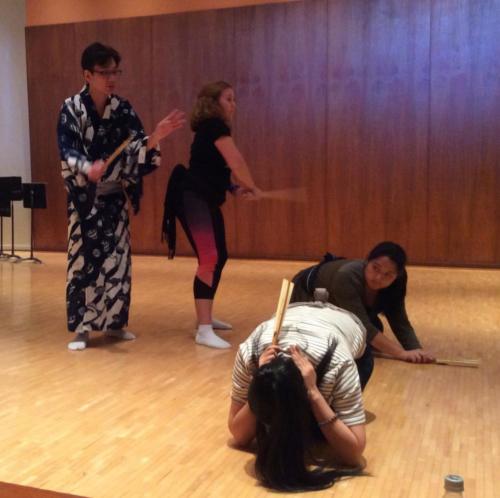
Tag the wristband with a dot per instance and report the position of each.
(328, 420)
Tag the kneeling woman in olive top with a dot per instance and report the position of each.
(367, 288)
(306, 388)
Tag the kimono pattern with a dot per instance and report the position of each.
(99, 254)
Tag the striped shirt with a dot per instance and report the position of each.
(314, 327)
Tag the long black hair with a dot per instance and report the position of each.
(393, 295)
(286, 428)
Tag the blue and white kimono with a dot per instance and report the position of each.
(99, 256)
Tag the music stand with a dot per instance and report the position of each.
(4, 211)
(33, 198)
(11, 189)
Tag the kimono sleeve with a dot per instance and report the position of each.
(147, 160)
(70, 141)
(139, 160)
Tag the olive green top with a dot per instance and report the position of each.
(344, 280)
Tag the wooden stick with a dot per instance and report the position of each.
(284, 299)
(286, 194)
(473, 363)
(118, 150)
(438, 361)
(291, 285)
(280, 309)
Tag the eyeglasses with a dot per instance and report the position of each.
(107, 73)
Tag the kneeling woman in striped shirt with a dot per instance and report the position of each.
(306, 388)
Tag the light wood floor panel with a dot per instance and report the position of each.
(148, 418)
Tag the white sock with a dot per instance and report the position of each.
(120, 334)
(79, 342)
(207, 337)
(219, 324)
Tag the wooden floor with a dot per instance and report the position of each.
(148, 418)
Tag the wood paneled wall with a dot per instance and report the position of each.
(386, 111)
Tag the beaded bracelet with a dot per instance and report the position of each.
(328, 420)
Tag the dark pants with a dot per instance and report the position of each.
(366, 363)
(365, 366)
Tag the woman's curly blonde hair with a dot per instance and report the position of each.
(207, 103)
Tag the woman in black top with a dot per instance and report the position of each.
(200, 191)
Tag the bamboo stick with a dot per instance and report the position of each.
(472, 363)
(118, 150)
(286, 194)
(284, 299)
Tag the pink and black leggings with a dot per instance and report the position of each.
(204, 227)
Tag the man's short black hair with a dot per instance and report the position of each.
(100, 55)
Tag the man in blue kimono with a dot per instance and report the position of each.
(92, 125)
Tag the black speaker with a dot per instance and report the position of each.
(33, 198)
(10, 190)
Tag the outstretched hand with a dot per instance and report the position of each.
(239, 191)
(252, 194)
(173, 121)
(418, 356)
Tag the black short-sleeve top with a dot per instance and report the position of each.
(209, 174)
